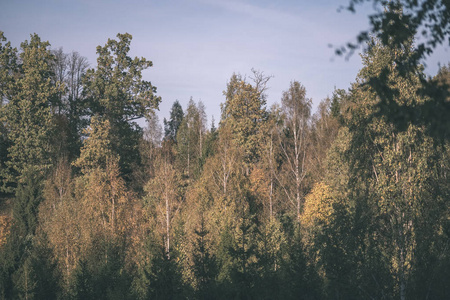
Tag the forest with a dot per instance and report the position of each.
(351, 201)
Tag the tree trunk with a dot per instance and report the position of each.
(167, 227)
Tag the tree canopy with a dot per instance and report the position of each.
(346, 200)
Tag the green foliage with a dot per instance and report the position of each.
(99, 278)
(27, 115)
(299, 278)
(367, 176)
(204, 265)
(244, 110)
(272, 252)
(190, 139)
(385, 168)
(176, 117)
(402, 19)
(165, 280)
(8, 67)
(294, 141)
(39, 275)
(28, 270)
(27, 199)
(117, 93)
(96, 150)
(83, 282)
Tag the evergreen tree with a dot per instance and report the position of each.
(171, 126)
(8, 67)
(165, 278)
(96, 278)
(204, 264)
(28, 266)
(28, 116)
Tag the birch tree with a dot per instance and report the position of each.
(296, 110)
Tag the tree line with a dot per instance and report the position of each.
(275, 203)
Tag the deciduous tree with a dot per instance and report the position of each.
(116, 92)
(294, 142)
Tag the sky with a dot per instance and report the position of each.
(196, 45)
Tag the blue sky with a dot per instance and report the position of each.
(196, 45)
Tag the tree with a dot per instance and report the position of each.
(68, 105)
(28, 116)
(386, 174)
(149, 147)
(403, 19)
(244, 111)
(58, 67)
(27, 264)
(105, 192)
(97, 278)
(190, 138)
(272, 252)
(223, 165)
(117, 93)
(294, 141)
(165, 278)
(8, 67)
(60, 219)
(171, 126)
(38, 277)
(325, 125)
(267, 170)
(97, 149)
(244, 253)
(396, 24)
(204, 263)
(104, 229)
(163, 196)
(299, 276)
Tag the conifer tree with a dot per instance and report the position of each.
(28, 116)
(8, 67)
(204, 263)
(171, 127)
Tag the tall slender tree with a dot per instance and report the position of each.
(176, 117)
(294, 142)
